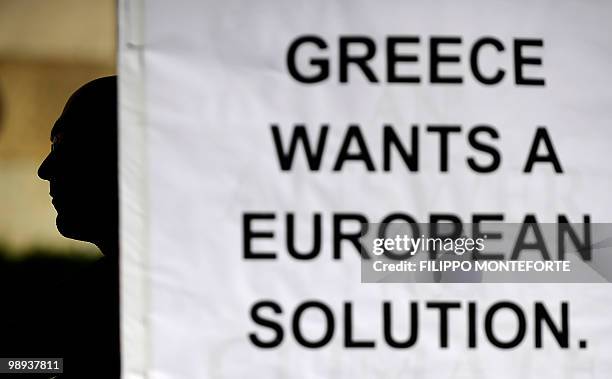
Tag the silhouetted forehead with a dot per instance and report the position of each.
(57, 129)
(91, 110)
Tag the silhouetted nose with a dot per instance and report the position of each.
(44, 171)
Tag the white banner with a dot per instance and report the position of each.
(238, 255)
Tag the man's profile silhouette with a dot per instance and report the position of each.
(82, 173)
(82, 166)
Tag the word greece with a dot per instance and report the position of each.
(467, 265)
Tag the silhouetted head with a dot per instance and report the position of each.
(82, 165)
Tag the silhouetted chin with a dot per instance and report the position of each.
(76, 226)
(70, 228)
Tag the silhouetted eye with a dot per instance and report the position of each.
(55, 142)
